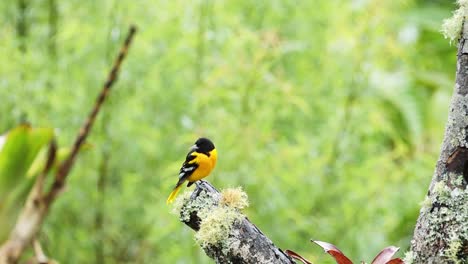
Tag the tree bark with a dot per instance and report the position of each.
(441, 233)
(245, 242)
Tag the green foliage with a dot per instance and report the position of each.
(329, 114)
(18, 149)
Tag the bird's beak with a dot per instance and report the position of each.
(194, 147)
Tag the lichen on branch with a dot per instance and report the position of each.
(452, 27)
(223, 231)
(441, 233)
(217, 212)
(441, 213)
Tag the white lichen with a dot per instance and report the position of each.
(244, 251)
(234, 197)
(216, 226)
(217, 212)
(452, 27)
(426, 204)
(459, 180)
(179, 202)
(454, 248)
(441, 191)
(409, 257)
(202, 205)
(447, 221)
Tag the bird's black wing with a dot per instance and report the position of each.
(187, 168)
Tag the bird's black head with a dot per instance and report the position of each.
(203, 145)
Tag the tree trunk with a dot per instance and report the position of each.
(244, 243)
(441, 233)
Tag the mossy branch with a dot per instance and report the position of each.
(223, 232)
(441, 233)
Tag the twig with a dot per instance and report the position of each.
(36, 207)
(50, 161)
(66, 166)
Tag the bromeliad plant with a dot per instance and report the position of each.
(384, 257)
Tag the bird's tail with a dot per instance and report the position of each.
(173, 194)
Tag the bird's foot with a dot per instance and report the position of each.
(199, 182)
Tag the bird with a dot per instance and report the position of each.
(198, 164)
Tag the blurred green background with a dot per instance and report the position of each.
(330, 115)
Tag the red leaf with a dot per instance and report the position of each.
(385, 255)
(334, 252)
(294, 255)
(396, 261)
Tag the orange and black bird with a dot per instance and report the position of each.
(198, 164)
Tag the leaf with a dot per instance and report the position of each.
(294, 255)
(396, 261)
(385, 255)
(20, 148)
(334, 252)
(40, 161)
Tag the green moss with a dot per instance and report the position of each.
(451, 27)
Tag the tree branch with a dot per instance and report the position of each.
(52, 152)
(66, 166)
(243, 241)
(441, 233)
(37, 205)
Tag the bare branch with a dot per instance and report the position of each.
(66, 166)
(40, 181)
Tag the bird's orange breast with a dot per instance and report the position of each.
(205, 165)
